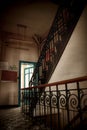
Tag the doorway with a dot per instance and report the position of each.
(26, 70)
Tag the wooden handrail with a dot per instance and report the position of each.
(78, 79)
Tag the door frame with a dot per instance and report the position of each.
(19, 77)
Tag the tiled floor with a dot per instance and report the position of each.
(13, 119)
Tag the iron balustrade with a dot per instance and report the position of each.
(59, 34)
(62, 105)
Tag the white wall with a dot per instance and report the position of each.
(73, 62)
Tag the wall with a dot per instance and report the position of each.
(12, 56)
(73, 62)
(8, 93)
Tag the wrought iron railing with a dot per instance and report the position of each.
(57, 39)
(62, 105)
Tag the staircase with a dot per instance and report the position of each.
(58, 105)
(60, 32)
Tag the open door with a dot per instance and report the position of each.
(26, 70)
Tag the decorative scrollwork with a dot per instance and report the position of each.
(73, 101)
(42, 99)
(62, 100)
(84, 101)
(54, 100)
(47, 100)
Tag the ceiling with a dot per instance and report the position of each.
(28, 17)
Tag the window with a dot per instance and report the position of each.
(28, 72)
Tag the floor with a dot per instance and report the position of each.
(14, 119)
